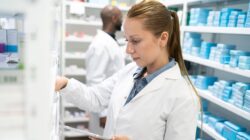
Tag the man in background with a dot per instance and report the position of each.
(104, 56)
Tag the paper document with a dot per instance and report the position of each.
(86, 132)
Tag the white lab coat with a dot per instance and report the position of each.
(165, 109)
(103, 58)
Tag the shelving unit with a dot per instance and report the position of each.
(26, 93)
(217, 30)
(216, 65)
(73, 53)
(238, 111)
(218, 35)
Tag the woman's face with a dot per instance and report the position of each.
(145, 49)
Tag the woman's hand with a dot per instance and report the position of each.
(120, 138)
(61, 82)
(114, 138)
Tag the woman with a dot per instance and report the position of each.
(153, 98)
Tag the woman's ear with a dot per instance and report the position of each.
(164, 39)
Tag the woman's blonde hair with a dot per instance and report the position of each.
(157, 19)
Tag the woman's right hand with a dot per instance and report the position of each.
(61, 82)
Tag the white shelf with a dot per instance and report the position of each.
(81, 40)
(76, 120)
(76, 74)
(208, 95)
(82, 22)
(69, 105)
(219, 30)
(216, 65)
(93, 5)
(72, 56)
(70, 134)
(211, 132)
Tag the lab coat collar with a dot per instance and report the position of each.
(173, 73)
(156, 84)
(106, 35)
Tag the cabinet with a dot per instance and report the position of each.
(26, 91)
(238, 36)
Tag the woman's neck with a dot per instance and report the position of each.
(156, 66)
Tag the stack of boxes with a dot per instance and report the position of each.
(191, 40)
(219, 126)
(234, 57)
(205, 49)
(3, 40)
(226, 129)
(222, 54)
(213, 18)
(226, 17)
(202, 82)
(246, 105)
(231, 130)
(248, 17)
(212, 120)
(229, 17)
(242, 19)
(242, 136)
(233, 18)
(238, 92)
(198, 16)
(217, 16)
(8, 40)
(222, 89)
(244, 62)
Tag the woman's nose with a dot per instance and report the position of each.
(129, 49)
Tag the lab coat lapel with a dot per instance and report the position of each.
(127, 89)
(156, 84)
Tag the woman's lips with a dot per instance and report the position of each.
(135, 58)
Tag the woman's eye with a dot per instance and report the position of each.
(135, 41)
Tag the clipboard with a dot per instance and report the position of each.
(87, 133)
